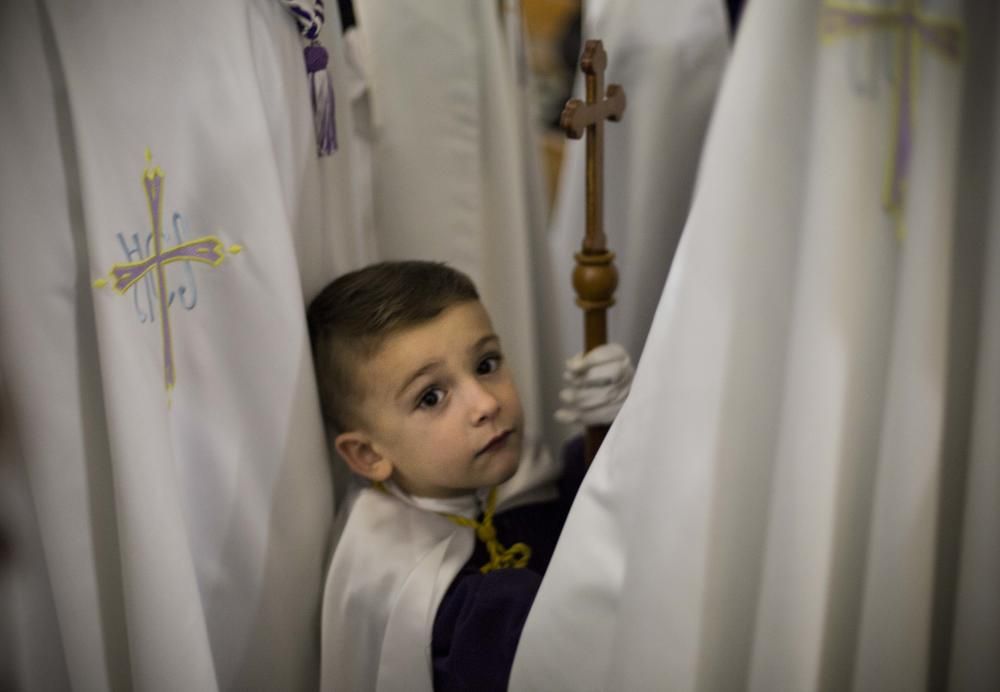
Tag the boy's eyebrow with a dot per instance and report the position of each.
(434, 364)
(423, 370)
(485, 340)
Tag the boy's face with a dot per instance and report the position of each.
(441, 415)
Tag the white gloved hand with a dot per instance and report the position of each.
(598, 383)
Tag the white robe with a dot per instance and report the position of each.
(163, 540)
(801, 491)
(669, 58)
(454, 166)
(393, 563)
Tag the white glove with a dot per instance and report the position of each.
(598, 383)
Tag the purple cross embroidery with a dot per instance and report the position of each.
(207, 249)
(916, 29)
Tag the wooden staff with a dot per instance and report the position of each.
(595, 276)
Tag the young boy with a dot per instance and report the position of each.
(439, 555)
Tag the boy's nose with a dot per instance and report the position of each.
(484, 405)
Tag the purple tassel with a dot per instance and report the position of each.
(321, 92)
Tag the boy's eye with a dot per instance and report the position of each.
(489, 364)
(431, 398)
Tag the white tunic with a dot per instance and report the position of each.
(394, 560)
(162, 539)
(669, 58)
(802, 490)
(454, 166)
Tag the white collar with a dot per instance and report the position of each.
(469, 505)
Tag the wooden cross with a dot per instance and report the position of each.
(579, 118)
(595, 277)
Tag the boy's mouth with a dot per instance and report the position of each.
(496, 443)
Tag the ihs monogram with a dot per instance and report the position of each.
(124, 276)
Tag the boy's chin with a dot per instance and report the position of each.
(508, 473)
(501, 466)
(506, 467)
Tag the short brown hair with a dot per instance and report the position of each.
(351, 318)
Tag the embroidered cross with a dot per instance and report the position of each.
(207, 249)
(915, 29)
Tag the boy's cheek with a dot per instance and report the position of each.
(514, 399)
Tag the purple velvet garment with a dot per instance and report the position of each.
(479, 621)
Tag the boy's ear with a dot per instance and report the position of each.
(356, 449)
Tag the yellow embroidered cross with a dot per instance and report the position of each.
(915, 29)
(207, 249)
